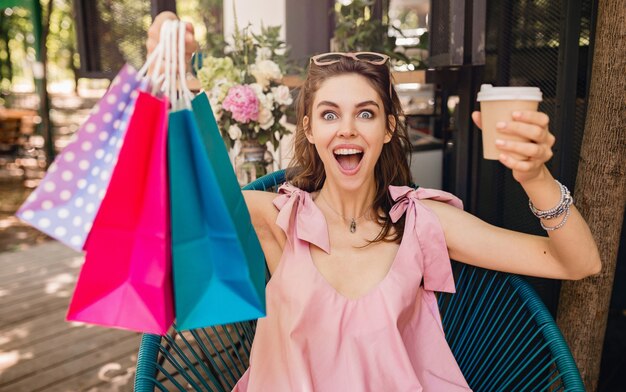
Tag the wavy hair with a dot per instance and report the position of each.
(306, 170)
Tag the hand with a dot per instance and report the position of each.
(154, 34)
(537, 150)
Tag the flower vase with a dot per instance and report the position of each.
(252, 162)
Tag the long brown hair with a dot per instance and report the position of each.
(306, 170)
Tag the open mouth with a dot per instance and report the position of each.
(348, 158)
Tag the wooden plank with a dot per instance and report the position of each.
(115, 376)
(26, 266)
(43, 253)
(27, 312)
(40, 253)
(24, 270)
(60, 285)
(33, 330)
(58, 350)
(40, 275)
(85, 361)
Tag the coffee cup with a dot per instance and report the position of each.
(497, 104)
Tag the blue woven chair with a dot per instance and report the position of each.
(501, 334)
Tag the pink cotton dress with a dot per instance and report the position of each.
(390, 339)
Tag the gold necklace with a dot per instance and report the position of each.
(352, 220)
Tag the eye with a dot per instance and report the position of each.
(329, 116)
(366, 114)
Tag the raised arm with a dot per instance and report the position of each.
(569, 251)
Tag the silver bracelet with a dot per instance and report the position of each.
(552, 228)
(561, 208)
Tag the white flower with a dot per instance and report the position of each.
(258, 89)
(265, 100)
(266, 119)
(264, 71)
(263, 54)
(281, 95)
(216, 107)
(234, 132)
(220, 89)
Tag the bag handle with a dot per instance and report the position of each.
(186, 94)
(174, 78)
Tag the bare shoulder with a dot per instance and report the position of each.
(452, 219)
(443, 210)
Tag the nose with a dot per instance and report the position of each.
(347, 128)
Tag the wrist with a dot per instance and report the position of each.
(543, 177)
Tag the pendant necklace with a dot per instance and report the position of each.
(352, 220)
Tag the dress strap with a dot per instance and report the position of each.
(427, 231)
(299, 213)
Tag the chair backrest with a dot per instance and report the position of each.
(501, 334)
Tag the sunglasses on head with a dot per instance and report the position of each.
(334, 57)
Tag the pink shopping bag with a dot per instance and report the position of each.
(126, 279)
(69, 196)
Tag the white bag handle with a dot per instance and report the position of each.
(168, 76)
(186, 94)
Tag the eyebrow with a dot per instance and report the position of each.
(361, 104)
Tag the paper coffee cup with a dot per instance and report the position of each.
(497, 104)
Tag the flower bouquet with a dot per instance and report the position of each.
(249, 101)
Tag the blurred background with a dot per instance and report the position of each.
(57, 58)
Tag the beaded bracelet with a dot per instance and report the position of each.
(561, 208)
(552, 228)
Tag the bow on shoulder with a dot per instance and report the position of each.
(297, 208)
(426, 229)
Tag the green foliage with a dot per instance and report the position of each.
(207, 18)
(357, 30)
(16, 37)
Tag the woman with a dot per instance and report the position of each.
(356, 255)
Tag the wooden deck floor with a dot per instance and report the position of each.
(39, 350)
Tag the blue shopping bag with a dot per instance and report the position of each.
(217, 261)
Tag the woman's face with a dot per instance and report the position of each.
(348, 127)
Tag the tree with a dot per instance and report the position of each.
(600, 191)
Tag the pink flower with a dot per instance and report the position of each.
(243, 103)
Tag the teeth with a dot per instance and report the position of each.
(347, 151)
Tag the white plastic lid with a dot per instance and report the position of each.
(489, 93)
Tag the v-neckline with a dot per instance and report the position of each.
(371, 291)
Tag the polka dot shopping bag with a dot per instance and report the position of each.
(125, 281)
(69, 196)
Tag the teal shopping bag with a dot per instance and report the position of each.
(218, 264)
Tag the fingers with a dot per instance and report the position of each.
(531, 151)
(539, 119)
(154, 35)
(535, 130)
(155, 29)
(191, 45)
(477, 118)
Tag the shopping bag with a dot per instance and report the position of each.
(125, 281)
(68, 197)
(218, 264)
